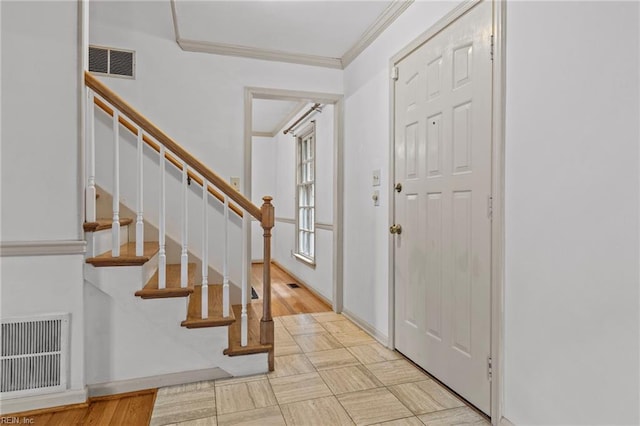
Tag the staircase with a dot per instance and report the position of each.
(144, 289)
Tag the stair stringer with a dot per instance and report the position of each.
(131, 338)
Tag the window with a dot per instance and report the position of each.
(305, 194)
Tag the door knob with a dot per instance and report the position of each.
(396, 229)
(398, 187)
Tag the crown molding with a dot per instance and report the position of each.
(174, 15)
(390, 14)
(255, 53)
(386, 18)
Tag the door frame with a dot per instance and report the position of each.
(337, 100)
(497, 188)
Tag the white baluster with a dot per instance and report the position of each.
(204, 308)
(115, 226)
(225, 263)
(184, 258)
(90, 192)
(162, 256)
(244, 324)
(139, 204)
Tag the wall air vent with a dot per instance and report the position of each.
(34, 355)
(112, 62)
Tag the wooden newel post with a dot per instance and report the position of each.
(266, 324)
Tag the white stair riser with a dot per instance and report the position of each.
(100, 241)
(119, 279)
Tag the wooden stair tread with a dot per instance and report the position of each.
(215, 318)
(254, 313)
(101, 224)
(127, 256)
(173, 286)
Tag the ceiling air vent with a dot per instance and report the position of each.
(112, 62)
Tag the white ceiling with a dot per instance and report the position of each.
(324, 33)
(269, 116)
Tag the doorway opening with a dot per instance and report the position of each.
(293, 152)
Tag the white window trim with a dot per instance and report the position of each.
(310, 129)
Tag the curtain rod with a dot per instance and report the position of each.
(315, 107)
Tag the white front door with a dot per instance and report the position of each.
(443, 164)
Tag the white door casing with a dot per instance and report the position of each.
(443, 162)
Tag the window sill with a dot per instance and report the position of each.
(305, 260)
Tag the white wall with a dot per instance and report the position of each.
(366, 148)
(571, 204)
(320, 277)
(197, 98)
(263, 182)
(572, 213)
(39, 121)
(39, 174)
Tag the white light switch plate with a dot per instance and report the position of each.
(376, 177)
(235, 182)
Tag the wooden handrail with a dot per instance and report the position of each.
(132, 128)
(150, 128)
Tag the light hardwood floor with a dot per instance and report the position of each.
(284, 299)
(132, 409)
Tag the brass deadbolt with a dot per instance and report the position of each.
(396, 229)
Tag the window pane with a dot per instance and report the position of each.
(303, 198)
(311, 171)
(300, 242)
(311, 245)
(306, 243)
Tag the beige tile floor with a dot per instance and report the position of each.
(328, 372)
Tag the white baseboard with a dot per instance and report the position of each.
(123, 386)
(505, 422)
(29, 403)
(375, 333)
